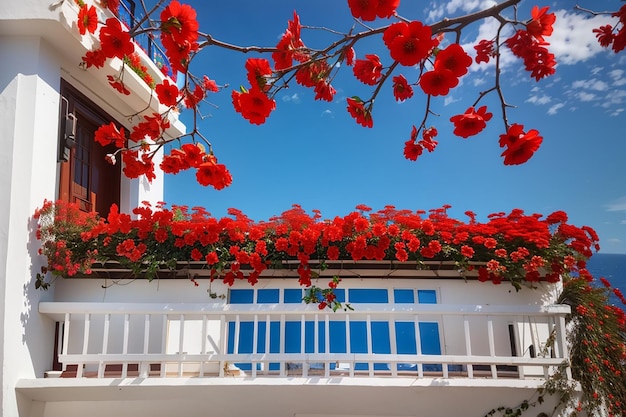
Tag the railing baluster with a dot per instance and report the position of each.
(181, 342)
(561, 340)
(393, 346)
(305, 366)
(268, 322)
(468, 346)
(282, 333)
(255, 342)
(125, 344)
(418, 346)
(105, 343)
(492, 346)
(326, 344)
(368, 330)
(223, 343)
(143, 366)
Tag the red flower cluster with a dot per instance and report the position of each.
(471, 122)
(413, 149)
(254, 105)
(520, 145)
(191, 155)
(179, 34)
(614, 36)
(450, 64)
(368, 10)
(530, 46)
(514, 247)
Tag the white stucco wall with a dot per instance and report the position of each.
(29, 106)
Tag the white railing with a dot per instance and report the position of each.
(176, 340)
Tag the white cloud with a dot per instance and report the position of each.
(592, 84)
(438, 10)
(584, 96)
(294, 98)
(573, 39)
(478, 81)
(449, 100)
(539, 99)
(616, 112)
(617, 75)
(617, 205)
(328, 113)
(555, 108)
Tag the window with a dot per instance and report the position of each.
(86, 178)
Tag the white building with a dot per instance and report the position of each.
(422, 343)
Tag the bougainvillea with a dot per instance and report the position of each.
(514, 247)
(440, 59)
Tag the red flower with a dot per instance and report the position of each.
(438, 82)
(324, 91)
(167, 93)
(471, 122)
(427, 139)
(118, 85)
(409, 43)
(114, 41)
(213, 174)
(108, 134)
(87, 19)
(309, 75)
(484, 51)
(259, 70)
(368, 9)
(467, 251)
(541, 23)
(178, 21)
(112, 5)
(135, 167)
(412, 150)
(520, 146)
(254, 105)
(94, 58)
(192, 98)
(369, 70)
(209, 84)
(401, 88)
(604, 35)
(349, 55)
(153, 127)
(357, 110)
(453, 58)
(290, 45)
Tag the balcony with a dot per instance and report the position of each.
(404, 351)
(150, 340)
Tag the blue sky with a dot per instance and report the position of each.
(313, 153)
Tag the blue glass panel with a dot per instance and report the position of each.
(337, 336)
(244, 343)
(241, 296)
(405, 338)
(427, 296)
(429, 335)
(380, 337)
(292, 337)
(293, 295)
(358, 337)
(266, 296)
(367, 295)
(341, 295)
(404, 296)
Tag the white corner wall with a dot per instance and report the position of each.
(29, 107)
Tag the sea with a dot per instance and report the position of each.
(613, 268)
